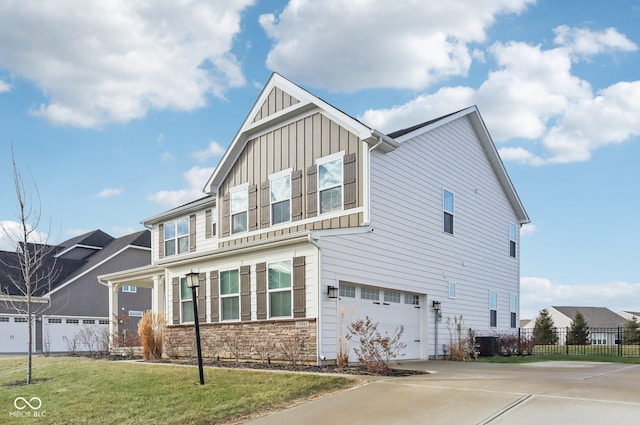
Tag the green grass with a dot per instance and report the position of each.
(560, 357)
(80, 390)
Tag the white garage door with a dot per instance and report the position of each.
(74, 334)
(392, 310)
(14, 335)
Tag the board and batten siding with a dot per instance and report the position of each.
(296, 145)
(408, 249)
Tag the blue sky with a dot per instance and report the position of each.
(122, 111)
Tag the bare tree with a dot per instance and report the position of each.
(30, 272)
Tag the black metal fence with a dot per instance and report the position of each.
(620, 342)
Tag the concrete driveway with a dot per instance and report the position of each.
(480, 393)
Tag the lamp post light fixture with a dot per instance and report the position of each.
(193, 283)
(437, 310)
(332, 291)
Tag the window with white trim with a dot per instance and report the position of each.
(176, 236)
(214, 219)
(230, 295)
(330, 179)
(369, 294)
(186, 302)
(280, 187)
(513, 235)
(54, 321)
(239, 199)
(279, 287)
(412, 299)
(93, 322)
(493, 309)
(73, 321)
(447, 207)
(392, 296)
(513, 308)
(452, 290)
(135, 313)
(130, 288)
(348, 291)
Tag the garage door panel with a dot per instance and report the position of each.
(389, 316)
(72, 334)
(14, 335)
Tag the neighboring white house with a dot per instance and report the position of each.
(309, 202)
(629, 315)
(602, 322)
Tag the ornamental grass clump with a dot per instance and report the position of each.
(151, 331)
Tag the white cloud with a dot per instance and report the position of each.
(213, 150)
(166, 156)
(408, 45)
(4, 87)
(528, 229)
(537, 293)
(584, 42)
(196, 177)
(109, 192)
(11, 234)
(533, 96)
(114, 61)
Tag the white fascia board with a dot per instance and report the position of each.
(97, 248)
(209, 200)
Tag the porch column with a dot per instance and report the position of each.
(114, 289)
(157, 301)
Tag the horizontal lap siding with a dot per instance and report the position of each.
(408, 249)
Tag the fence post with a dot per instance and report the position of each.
(566, 340)
(519, 341)
(619, 343)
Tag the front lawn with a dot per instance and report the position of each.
(80, 390)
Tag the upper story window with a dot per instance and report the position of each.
(447, 206)
(330, 180)
(129, 288)
(176, 236)
(214, 219)
(280, 197)
(513, 235)
(279, 278)
(230, 295)
(239, 205)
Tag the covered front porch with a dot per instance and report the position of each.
(152, 277)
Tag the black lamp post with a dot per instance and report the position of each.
(437, 310)
(193, 282)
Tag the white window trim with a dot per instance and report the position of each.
(491, 307)
(183, 300)
(453, 213)
(214, 220)
(128, 289)
(235, 189)
(174, 222)
(276, 176)
(454, 286)
(229, 296)
(513, 240)
(270, 291)
(324, 160)
(513, 308)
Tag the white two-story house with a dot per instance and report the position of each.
(312, 220)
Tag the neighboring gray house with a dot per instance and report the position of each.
(312, 220)
(596, 317)
(74, 300)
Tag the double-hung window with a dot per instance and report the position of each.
(513, 235)
(186, 301)
(239, 198)
(513, 307)
(493, 309)
(176, 236)
(447, 206)
(280, 185)
(330, 181)
(279, 275)
(230, 295)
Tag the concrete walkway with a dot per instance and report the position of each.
(481, 393)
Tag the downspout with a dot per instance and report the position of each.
(319, 307)
(368, 180)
